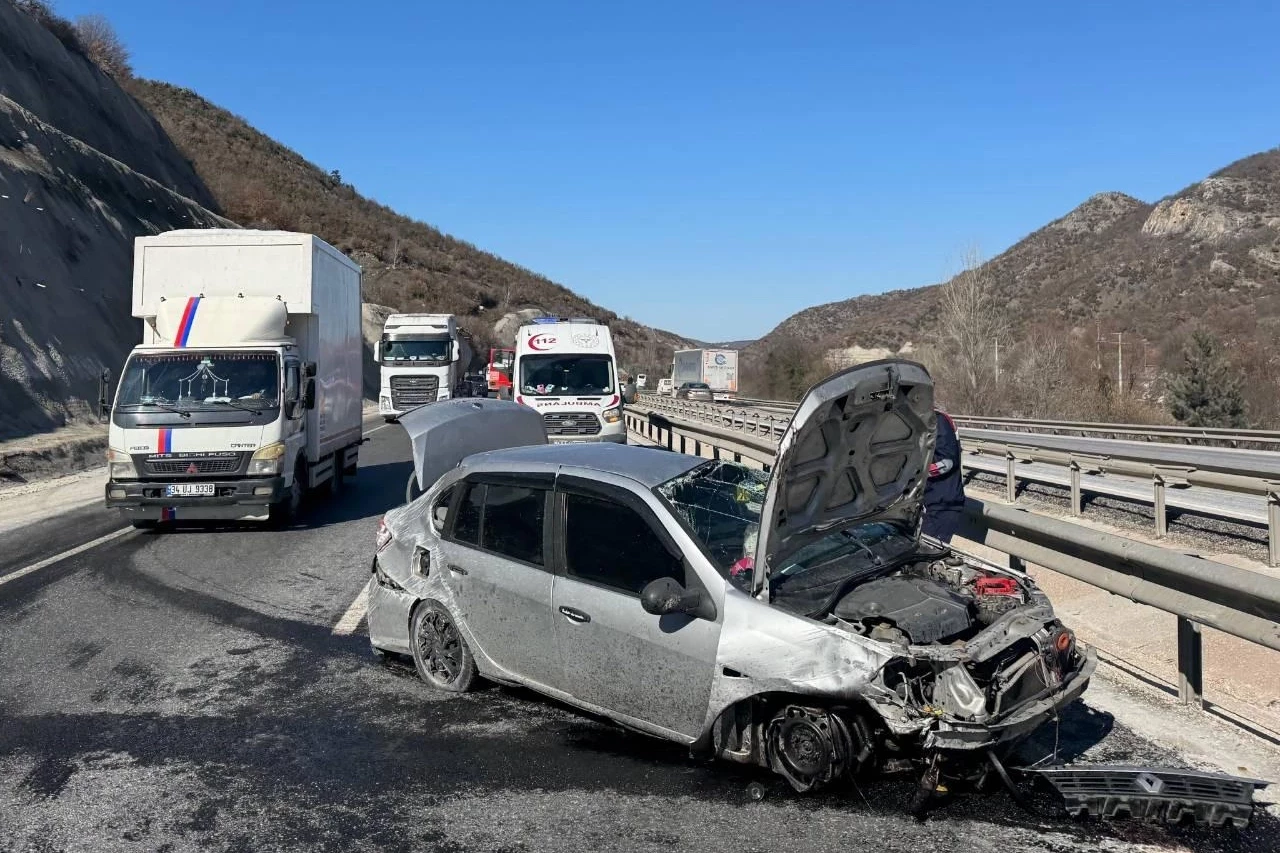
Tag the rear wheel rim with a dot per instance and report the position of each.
(440, 647)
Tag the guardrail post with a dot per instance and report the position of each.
(1010, 479)
(1190, 664)
(1162, 518)
(1076, 508)
(1273, 524)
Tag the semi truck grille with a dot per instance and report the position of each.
(194, 467)
(571, 423)
(408, 391)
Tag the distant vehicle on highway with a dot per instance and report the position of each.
(717, 368)
(694, 391)
(665, 386)
(641, 380)
(501, 363)
(245, 390)
(783, 619)
(421, 360)
(565, 369)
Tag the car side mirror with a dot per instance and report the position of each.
(666, 595)
(309, 369)
(309, 396)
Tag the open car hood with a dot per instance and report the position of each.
(445, 433)
(857, 449)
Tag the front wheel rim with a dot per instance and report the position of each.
(440, 647)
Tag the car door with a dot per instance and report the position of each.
(654, 670)
(495, 554)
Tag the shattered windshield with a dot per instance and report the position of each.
(196, 379)
(720, 502)
(812, 576)
(566, 375)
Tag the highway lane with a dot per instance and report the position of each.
(186, 691)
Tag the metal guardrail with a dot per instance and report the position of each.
(1208, 436)
(1198, 592)
(1097, 466)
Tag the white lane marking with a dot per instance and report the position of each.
(375, 429)
(354, 615)
(71, 552)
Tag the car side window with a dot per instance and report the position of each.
(466, 527)
(440, 509)
(513, 522)
(613, 545)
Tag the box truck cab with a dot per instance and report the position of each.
(566, 370)
(245, 391)
(421, 358)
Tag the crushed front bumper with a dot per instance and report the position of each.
(1018, 722)
(243, 498)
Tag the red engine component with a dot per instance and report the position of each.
(990, 585)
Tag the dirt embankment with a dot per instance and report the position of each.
(83, 170)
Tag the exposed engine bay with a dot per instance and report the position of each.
(940, 601)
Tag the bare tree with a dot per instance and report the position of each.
(971, 323)
(103, 45)
(395, 249)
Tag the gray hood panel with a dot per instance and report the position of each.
(445, 433)
(857, 449)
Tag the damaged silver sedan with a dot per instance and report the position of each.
(795, 620)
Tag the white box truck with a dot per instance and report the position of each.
(245, 391)
(566, 369)
(422, 358)
(716, 367)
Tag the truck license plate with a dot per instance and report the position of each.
(189, 490)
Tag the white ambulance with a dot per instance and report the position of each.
(565, 369)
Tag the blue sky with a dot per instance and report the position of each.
(712, 167)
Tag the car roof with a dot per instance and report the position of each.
(649, 466)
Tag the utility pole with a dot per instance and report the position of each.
(1120, 361)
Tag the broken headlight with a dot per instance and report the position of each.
(959, 695)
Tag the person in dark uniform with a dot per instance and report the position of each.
(944, 494)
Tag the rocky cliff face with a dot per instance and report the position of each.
(68, 214)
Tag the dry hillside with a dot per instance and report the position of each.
(69, 213)
(408, 265)
(1208, 256)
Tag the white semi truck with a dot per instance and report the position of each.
(422, 358)
(716, 367)
(245, 391)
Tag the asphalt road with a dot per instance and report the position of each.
(185, 691)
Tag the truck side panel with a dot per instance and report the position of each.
(334, 342)
(687, 367)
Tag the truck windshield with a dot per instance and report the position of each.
(566, 375)
(440, 349)
(197, 379)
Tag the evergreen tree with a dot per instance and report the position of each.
(1205, 392)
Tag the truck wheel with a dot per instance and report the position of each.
(286, 510)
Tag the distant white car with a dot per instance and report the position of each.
(642, 380)
(665, 385)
